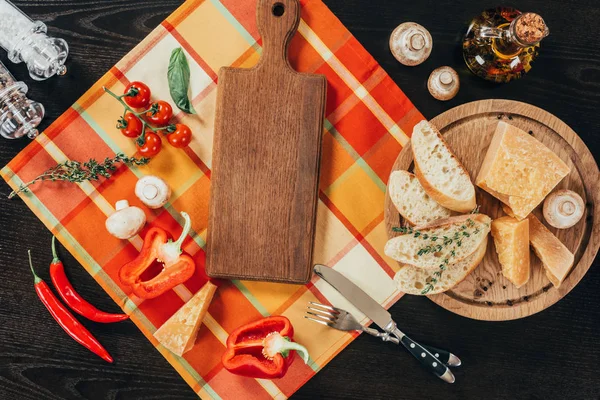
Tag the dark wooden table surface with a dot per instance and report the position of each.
(551, 355)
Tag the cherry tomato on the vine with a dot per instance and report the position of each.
(181, 136)
(130, 125)
(160, 113)
(151, 146)
(139, 95)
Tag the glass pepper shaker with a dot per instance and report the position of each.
(19, 116)
(26, 41)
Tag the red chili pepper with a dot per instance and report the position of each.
(72, 298)
(65, 319)
(177, 267)
(262, 349)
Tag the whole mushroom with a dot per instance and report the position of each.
(152, 191)
(563, 209)
(126, 221)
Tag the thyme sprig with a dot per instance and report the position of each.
(77, 172)
(439, 243)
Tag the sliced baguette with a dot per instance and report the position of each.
(511, 238)
(405, 248)
(411, 200)
(556, 258)
(443, 177)
(412, 280)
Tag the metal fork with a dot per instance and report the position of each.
(344, 321)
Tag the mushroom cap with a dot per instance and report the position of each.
(153, 191)
(126, 222)
(563, 209)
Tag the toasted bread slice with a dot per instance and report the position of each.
(452, 239)
(412, 280)
(443, 177)
(411, 200)
(511, 238)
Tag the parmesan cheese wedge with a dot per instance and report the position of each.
(519, 170)
(511, 238)
(179, 333)
(556, 258)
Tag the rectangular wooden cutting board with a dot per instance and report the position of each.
(266, 157)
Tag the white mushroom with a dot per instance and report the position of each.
(563, 209)
(126, 221)
(152, 191)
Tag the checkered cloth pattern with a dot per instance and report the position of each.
(368, 120)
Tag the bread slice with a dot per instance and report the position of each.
(412, 280)
(511, 238)
(519, 170)
(411, 200)
(556, 258)
(443, 177)
(452, 239)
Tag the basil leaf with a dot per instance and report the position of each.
(178, 76)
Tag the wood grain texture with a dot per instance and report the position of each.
(550, 355)
(266, 157)
(486, 294)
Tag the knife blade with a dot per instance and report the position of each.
(381, 317)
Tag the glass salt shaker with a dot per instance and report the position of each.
(26, 41)
(19, 116)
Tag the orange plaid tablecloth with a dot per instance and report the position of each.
(368, 119)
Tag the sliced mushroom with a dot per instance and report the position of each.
(152, 191)
(563, 209)
(126, 221)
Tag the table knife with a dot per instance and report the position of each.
(381, 317)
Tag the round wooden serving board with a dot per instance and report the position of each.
(485, 294)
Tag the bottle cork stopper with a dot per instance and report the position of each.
(410, 43)
(443, 83)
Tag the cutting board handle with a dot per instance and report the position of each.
(277, 22)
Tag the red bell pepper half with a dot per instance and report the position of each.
(177, 267)
(262, 349)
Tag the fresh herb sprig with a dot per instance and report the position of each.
(77, 172)
(439, 243)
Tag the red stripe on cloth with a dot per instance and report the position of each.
(323, 197)
(144, 47)
(61, 123)
(388, 270)
(23, 158)
(184, 43)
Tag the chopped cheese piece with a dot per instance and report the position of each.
(556, 258)
(179, 333)
(519, 170)
(511, 238)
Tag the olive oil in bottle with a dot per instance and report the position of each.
(502, 43)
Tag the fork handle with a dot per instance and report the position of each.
(444, 356)
(425, 357)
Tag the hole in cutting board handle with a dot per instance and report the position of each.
(278, 9)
